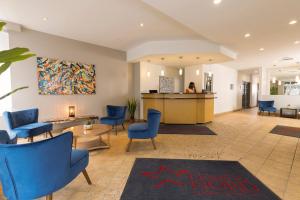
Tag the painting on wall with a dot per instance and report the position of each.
(166, 84)
(58, 77)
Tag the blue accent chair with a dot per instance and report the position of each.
(26, 173)
(116, 116)
(145, 130)
(266, 106)
(24, 124)
(5, 139)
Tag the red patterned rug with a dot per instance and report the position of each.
(169, 179)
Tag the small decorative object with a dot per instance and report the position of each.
(60, 77)
(132, 104)
(71, 111)
(88, 125)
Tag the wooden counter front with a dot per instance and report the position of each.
(181, 108)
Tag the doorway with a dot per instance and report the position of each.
(246, 95)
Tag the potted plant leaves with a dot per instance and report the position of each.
(88, 125)
(8, 57)
(132, 104)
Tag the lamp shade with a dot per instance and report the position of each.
(71, 111)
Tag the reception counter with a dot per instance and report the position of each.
(181, 108)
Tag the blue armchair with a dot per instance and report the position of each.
(145, 130)
(266, 106)
(26, 173)
(24, 124)
(116, 116)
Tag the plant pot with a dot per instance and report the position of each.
(88, 126)
(131, 120)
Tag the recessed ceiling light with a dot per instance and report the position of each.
(297, 42)
(45, 18)
(141, 24)
(292, 22)
(217, 1)
(261, 49)
(247, 35)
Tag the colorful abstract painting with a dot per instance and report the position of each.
(57, 77)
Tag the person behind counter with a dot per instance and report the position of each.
(192, 88)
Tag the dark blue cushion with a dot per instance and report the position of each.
(116, 115)
(145, 130)
(267, 106)
(138, 127)
(32, 129)
(4, 137)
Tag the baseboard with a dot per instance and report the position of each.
(224, 113)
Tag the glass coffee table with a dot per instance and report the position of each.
(91, 139)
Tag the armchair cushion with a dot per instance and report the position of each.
(112, 120)
(33, 129)
(138, 127)
(79, 158)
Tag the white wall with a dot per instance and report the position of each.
(222, 78)
(282, 101)
(191, 76)
(5, 81)
(113, 75)
(152, 82)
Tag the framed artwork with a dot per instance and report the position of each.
(58, 77)
(166, 84)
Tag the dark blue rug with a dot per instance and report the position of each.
(164, 179)
(184, 129)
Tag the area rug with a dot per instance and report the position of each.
(170, 179)
(185, 129)
(286, 131)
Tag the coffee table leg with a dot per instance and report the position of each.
(108, 139)
(75, 143)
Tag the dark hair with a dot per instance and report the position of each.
(192, 86)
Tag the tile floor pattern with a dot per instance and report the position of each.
(242, 136)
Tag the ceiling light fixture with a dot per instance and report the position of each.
(261, 49)
(217, 2)
(247, 35)
(45, 18)
(180, 72)
(141, 24)
(297, 42)
(279, 82)
(292, 22)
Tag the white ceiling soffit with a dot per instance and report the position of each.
(188, 48)
(228, 22)
(110, 23)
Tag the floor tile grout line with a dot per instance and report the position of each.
(286, 186)
(269, 154)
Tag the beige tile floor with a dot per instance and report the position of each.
(242, 136)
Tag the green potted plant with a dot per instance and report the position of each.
(7, 58)
(132, 104)
(88, 125)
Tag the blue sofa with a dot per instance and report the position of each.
(5, 139)
(115, 116)
(145, 130)
(34, 170)
(24, 124)
(266, 106)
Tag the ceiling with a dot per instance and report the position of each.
(110, 23)
(183, 60)
(116, 24)
(226, 23)
(285, 73)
